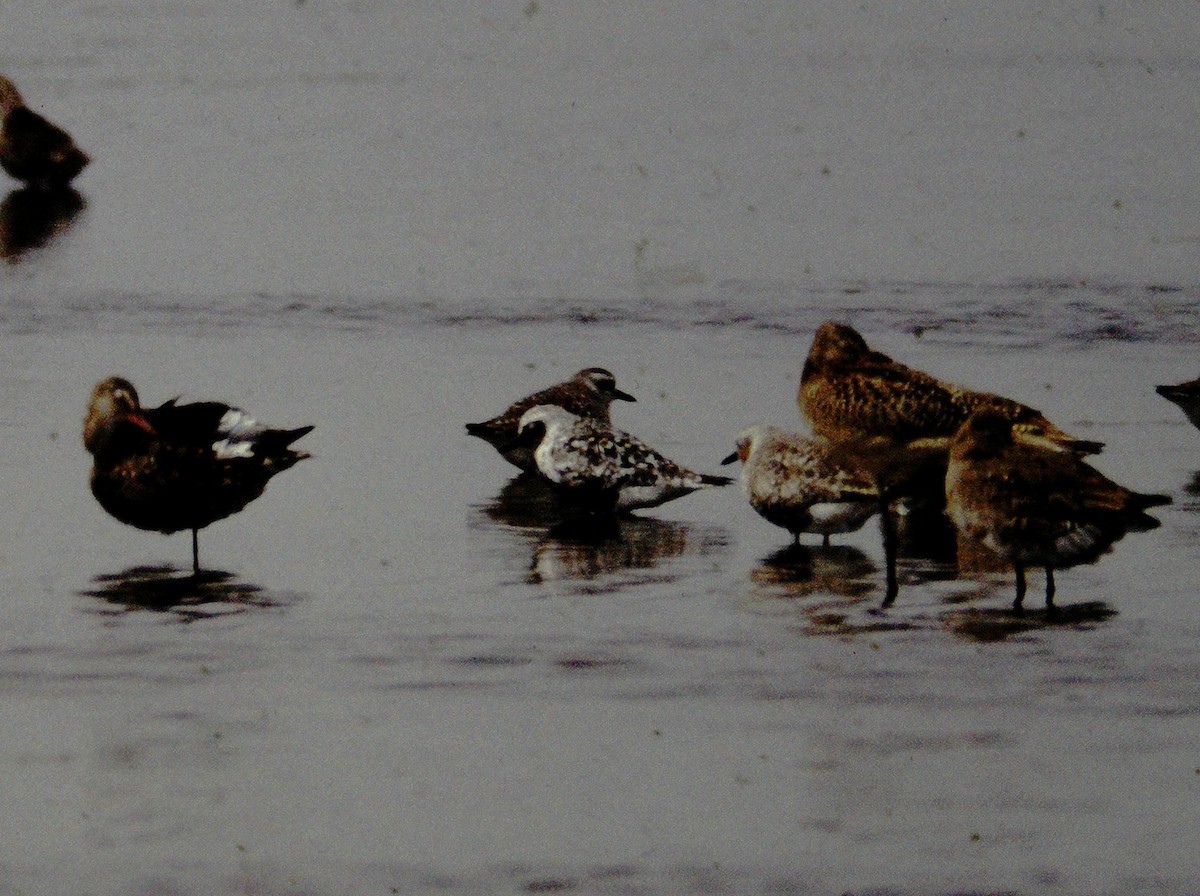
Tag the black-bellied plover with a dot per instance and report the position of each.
(587, 394)
(601, 469)
(1033, 505)
(790, 480)
(176, 466)
(31, 148)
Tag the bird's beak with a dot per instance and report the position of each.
(622, 396)
(727, 461)
(141, 422)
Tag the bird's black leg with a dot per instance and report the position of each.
(887, 526)
(1019, 572)
(1049, 587)
(195, 552)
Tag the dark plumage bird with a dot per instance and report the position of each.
(600, 469)
(33, 149)
(587, 394)
(1033, 505)
(178, 467)
(1187, 396)
(791, 481)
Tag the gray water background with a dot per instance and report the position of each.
(390, 220)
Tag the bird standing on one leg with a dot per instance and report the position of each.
(176, 466)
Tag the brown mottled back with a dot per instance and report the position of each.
(849, 391)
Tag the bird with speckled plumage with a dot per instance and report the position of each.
(791, 481)
(587, 394)
(600, 469)
(849, 391)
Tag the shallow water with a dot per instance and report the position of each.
(404, 679)
(396, 676)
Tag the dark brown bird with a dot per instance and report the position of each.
(588, 394)
(33, 149)
(1033, 505)
(178, 467)
(1187, 396)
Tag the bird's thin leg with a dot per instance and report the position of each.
(195, 552)
(1050, 587)
(887, 526)
(1019, 573)
(825, 541)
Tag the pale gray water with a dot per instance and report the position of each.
(403, 686)
(389, 222)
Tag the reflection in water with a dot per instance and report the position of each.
(838, 582)
(577, 550)
(167, 589)
(839, 579)
(1192, 490)
(526, 502)
(998, 624)
(798, 571)
(31, 216)
(926, 552)
(568, 546)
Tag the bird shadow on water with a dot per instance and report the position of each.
(568, 546)
(835, 590)
(992, 624)
(799, 570)
(590, 549)
(1192, 492)
(30, 217)
(188, 596)
(525, 502)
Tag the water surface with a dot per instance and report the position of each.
(396, 676)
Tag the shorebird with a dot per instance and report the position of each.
(893, 423)
(33, 149)
(791, 481)
(848, 390)
(1035, 506)
(587, 394)
(601, 469)
(176, 466)
(1187, 396)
